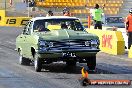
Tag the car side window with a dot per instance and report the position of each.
(40, 26)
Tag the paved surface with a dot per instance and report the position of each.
(57, 75)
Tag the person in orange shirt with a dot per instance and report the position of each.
(67, 13)
(129, 28)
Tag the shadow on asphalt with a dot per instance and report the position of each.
(115, 69)
(101, 68)
(63, 68)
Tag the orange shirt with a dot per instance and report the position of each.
(129, 20)
(67, 14)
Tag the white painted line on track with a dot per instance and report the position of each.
(13, 43)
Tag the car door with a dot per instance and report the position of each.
(28, 39)
(20, 41)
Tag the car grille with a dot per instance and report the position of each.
(70, 43)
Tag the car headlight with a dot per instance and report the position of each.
(45, 43)
(42, 43)
(94, 43)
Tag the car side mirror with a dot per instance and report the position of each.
(25, 32)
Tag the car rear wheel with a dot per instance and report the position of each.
(91, 63)
(23, 60)
(37, 63)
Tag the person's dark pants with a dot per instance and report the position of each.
(97, 25)
(129, 39)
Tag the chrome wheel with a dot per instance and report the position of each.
(37, 64)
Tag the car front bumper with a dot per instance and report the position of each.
(72, 52)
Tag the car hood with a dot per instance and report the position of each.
(66, 34)
(119, 25)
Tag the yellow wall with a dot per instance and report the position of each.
(15, 21)
(12, 21)
(111, 42)
(130, 52)
(2, 16)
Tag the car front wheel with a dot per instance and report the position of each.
(23, 60)
(37, 63)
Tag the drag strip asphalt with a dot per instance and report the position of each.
(56, 75)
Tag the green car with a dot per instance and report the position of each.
(57, 38)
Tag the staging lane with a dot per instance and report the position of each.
(57, 75)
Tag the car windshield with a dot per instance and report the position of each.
(114, 20)
(55, 24)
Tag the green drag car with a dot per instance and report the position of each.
(57, 38)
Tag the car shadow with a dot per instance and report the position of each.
(63, 68)
(102, 68)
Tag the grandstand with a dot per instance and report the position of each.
(82, 7)
(125, 8)
(79, 8)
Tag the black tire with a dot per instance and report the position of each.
(71, 63)
(91, 63)
(23, 60)
(37, 63)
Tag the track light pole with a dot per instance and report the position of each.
(5, 5)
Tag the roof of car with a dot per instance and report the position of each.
(53, 17)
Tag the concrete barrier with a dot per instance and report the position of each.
(111, 42)
(12, 21)
(130, 52)
(2, 17)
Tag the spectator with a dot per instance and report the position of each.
(67, 13)
(129, 27)
(29, 4)
(65, 9)
(97, 16)
(50, 13)
(32, 3)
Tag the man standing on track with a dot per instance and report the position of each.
(129, 27)
(97, 17)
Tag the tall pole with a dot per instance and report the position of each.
(5, 5)
(28, 8)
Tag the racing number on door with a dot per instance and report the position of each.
(11, 21)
